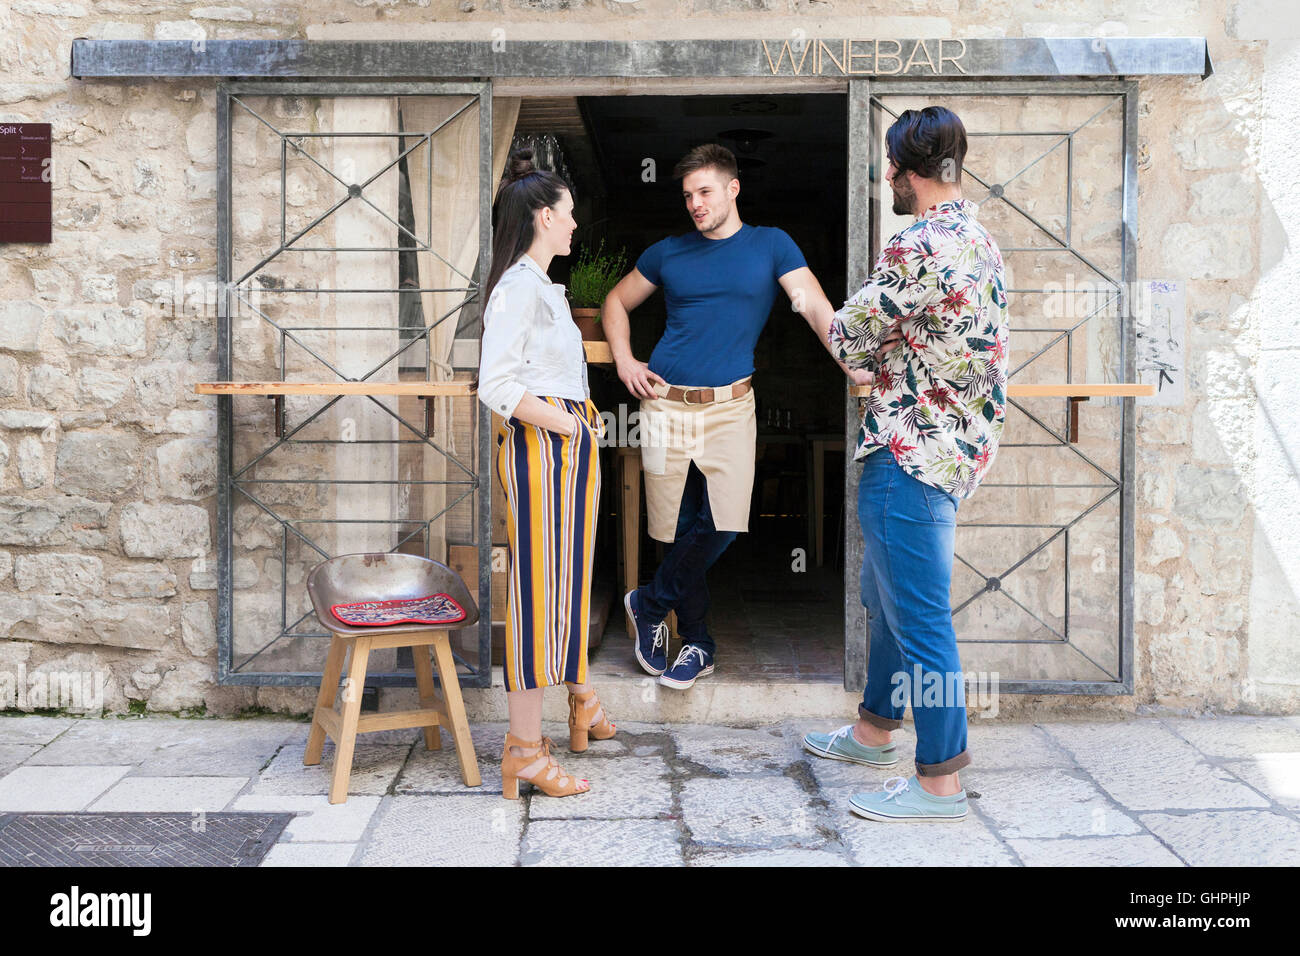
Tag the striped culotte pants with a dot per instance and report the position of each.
(552, 486)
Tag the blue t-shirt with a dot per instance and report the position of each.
(718, 293)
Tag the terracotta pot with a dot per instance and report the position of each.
(587, 324)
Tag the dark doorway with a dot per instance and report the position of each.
(776, 613)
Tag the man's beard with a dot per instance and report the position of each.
(904, 199)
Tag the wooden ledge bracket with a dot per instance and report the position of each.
(1075, 401)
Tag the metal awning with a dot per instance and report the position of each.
(812, 58)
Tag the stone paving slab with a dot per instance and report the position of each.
(35, 728)
(1047, 803)
(170, 794)
(1141, 850)
(734, 751)
(1005, 745)
(1229, 837)
(602, 843)
(14, 755)
(1235, 738)
(1276, 775)
(621, 788)
(310, 854)
(1146, 766)
(786, 857)
(170, 746)
(438, 771)
(374, 768)
(317, 821)
(56, 788)
(753, 811)
(478, 830)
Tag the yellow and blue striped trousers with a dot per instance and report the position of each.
(552, 487)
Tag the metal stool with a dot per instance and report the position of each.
(353, 578)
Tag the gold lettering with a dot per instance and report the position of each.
(954, 59)
(851, 56)
(898, 48)
(785, 49)
(920, 45)
(841, 63)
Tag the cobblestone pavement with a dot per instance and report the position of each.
(1144, 791)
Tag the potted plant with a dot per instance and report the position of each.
(591, 277)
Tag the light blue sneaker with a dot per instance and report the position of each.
(903, 799)
(842, 745)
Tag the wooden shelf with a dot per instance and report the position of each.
(598, 353)
(417, 389)
(1079, 390)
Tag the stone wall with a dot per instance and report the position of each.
(107, 458)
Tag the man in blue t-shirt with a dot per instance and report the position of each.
(719, 284)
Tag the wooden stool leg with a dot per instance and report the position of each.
(329, 687)
(428, 696)
(350, 716)
(456, 710)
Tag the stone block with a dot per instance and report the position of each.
(169, 795)
(602, 843)
(164, 530)
(49, 386)
(198, 629)
(764, 811)
(55, 573)
(478, 830)
(1229, 838)
(144, 581)
(32, 471)
(1142, 850)
(107, 331)
(97, 462)
(57, 520)
(187, 468)
(32, 789)
(20, 326)
(1143, 766)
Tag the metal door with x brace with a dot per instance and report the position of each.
(1042, 589)
(353, 222)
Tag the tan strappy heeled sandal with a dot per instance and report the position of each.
(551, 780)
(582, 707)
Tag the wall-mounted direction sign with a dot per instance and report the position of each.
(25, 197)
(794, 55)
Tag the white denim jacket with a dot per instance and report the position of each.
(530, 341)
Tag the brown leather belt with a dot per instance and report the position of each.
(706, 396)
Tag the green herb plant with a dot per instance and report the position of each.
(593, 274)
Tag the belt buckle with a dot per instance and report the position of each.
(686, 400)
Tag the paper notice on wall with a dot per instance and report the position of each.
(1160, 321)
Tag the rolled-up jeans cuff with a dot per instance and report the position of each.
(875, 720)
(951, 765)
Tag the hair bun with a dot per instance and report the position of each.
(521, 163)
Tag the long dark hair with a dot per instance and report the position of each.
(524, 190)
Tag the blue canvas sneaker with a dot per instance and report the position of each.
(903, 799)
(693, 662)
(842, 745)
(651, 638)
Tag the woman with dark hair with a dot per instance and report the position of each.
(533, 373)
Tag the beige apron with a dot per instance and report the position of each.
(719, 437)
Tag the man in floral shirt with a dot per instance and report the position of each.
(931, 323)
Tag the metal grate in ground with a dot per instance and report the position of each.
(138, 839)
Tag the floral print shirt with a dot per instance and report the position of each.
(938, 400)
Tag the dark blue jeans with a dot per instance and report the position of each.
(908, 531)
(679, 582)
